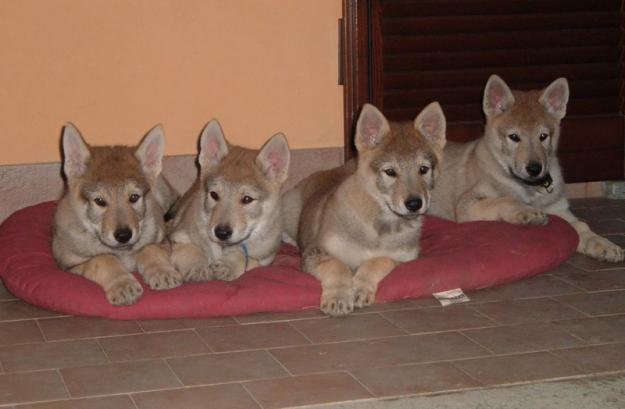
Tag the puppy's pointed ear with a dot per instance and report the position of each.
(76, 152)
(431, 123)
(555, 97)
(151, 150)
(213, 146)
(497, 96)
(274, 158)
(371, 128)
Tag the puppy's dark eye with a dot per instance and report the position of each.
(134, 198)
(543, 136)
(214, 195)
(423, 170)
(514, 137)
(100, 202)
(247, 200)
(390, 172)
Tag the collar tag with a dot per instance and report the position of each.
(547, 184)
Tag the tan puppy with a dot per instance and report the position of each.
(110, 218)
(512, 172)
(230, 220)
(355, 223)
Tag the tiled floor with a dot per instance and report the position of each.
(567, 323)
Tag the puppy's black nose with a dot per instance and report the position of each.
(223, 232)
(413, 203)
(123, 235)
(534, 168)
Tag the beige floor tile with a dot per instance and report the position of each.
(51, 355)
(85, 327)
(353, 327)
(226, 367)
(19, 332)
(439, 319)
(306, 390)
(252, 336)
(185, 323)
(413, 379)
(119, 378)
(517, 368)
(231, 396)
(154, 345)
(31, 386)
(110, 402)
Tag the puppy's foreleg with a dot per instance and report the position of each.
(106, 270)
(190, 260)
(234, 264)
(590, 243)
(337, 294)
(472, 207)
(157, 271)
(367, 278)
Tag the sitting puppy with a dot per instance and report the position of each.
(512, 172)
(110, 219)
(230, 220)
(355, 223)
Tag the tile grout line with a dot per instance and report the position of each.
(58, 371)
(477, 342)
(584, 314)
(355, 378)
(203, 341)
(279, 363)
(299, 332)
(43, 334)
(387, 319)
(453, 363)
(106, 355)
(132, 399)
(484, 315)
(172, 371)
(251, 395)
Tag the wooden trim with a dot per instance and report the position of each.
(356, 65)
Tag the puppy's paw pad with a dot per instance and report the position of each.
(124, 292)
(199, 272)
(603, 249)
(164, 279)
(337, 303)
(363, 297)
(531, 215)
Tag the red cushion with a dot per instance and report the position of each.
(470, 256)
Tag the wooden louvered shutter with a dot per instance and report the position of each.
(426, 50)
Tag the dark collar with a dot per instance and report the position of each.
(545, 181)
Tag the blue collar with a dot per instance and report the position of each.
(247, 256)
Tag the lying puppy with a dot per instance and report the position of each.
(355, 223)
(110, 218)
(512, 172)
(230, 221)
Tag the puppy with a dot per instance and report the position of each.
(110, 219)
(512, 172)
(355, 223)
(230, 219)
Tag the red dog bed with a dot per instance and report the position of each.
(470, 256)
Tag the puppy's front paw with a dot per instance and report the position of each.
(337, 302)
(529, 215)
(600, 248)
(364, 293)
(124, 291)
(163, 279)
(199, 272)
(224, 272)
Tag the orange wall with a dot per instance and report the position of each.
(117, 67)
